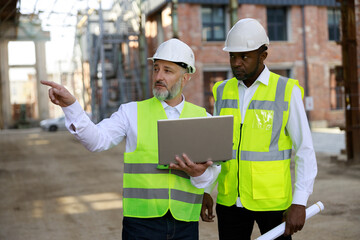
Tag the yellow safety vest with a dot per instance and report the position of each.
(260, 169)
(151, 192)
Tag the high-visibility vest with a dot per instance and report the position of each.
(260, 169)
(151, 192)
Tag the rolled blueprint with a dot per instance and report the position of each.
(280, 229)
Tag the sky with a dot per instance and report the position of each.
(59, 18)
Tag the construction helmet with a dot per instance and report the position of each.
(246, 35)
(177, 52)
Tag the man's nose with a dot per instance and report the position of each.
(238, 61)
(159, 75)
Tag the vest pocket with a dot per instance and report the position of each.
(223, 179)
(268, 180)
(227, 180)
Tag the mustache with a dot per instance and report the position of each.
(238, 69)
(160, 83)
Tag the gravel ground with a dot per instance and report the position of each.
(53, 188)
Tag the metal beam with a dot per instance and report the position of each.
(104, 92)
(350, 64)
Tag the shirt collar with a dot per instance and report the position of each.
(178, 107)
(263, 77)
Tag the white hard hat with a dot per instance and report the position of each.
(176, 51)
(246, 35)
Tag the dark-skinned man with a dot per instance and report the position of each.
(269, 120)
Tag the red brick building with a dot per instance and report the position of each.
(303, 45)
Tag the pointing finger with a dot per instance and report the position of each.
(51, 84)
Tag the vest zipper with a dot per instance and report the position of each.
(238, 158)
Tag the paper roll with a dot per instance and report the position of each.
(280, 229)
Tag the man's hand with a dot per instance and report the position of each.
(188, 166)
(59, 95)
(207, 204)
(294, 218)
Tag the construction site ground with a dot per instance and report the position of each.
(52, 188)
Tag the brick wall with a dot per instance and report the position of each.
(322, 55)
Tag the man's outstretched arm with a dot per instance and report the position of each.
(95, 138)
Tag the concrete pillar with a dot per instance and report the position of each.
(41, 74)
(5, 104)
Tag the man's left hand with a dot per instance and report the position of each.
(294, 219)
(188, 166)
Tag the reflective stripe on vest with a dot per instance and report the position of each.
(224, 103)
(163, 194)
(150, 168)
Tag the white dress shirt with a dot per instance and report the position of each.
(300, 134)
(122, 124)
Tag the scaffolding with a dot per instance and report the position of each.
(109, 42)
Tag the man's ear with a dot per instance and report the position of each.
(186, 78)
(263, 56)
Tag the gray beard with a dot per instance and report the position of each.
(168, 94)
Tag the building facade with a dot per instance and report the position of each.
(304, 38)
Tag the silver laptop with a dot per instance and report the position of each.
(200, 138)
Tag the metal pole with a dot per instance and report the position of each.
(233, 12)
(92, 71)
(174, 16)
(143, 52)
(104, 96)
(306, 73)
(351, 82)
